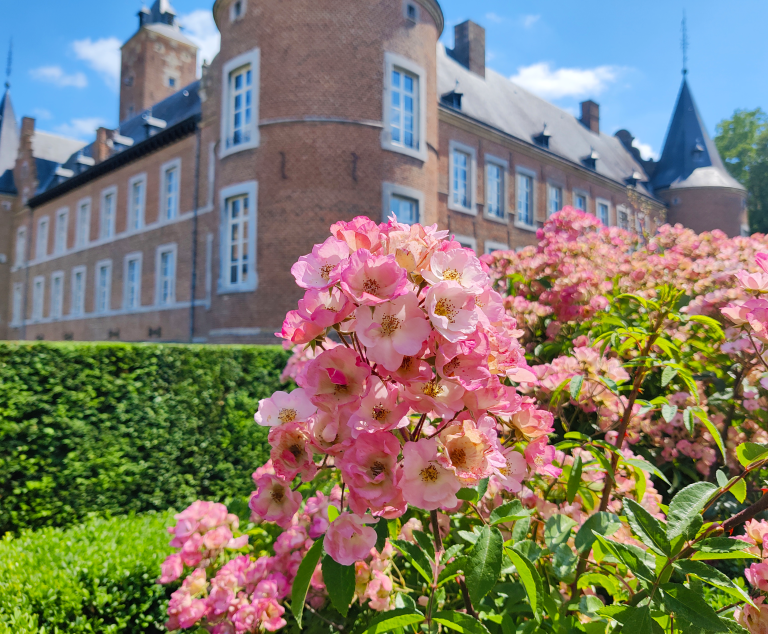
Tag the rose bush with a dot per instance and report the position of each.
(476, 445)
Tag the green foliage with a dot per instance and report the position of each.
(95, 577)
(118, 428)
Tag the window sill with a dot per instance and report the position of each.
(240, 147)
(504, 220)
(470, 211)
(525, 227)
(233, 290)
(420, 154)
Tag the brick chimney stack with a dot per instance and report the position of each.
(101, 150)
(469, 46)
(590, 115)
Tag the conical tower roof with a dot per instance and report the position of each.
(9, 133)
(690, 158)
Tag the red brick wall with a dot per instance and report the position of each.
(705, 209)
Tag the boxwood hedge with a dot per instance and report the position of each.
(117, 428)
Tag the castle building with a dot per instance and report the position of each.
(182, 223)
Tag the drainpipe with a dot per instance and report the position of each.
(195, 200)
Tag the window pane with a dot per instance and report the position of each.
(406, 210)
(460, 178)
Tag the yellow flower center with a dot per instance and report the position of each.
(432, 389)
(444, 308)
(429, 474)
(325, 271)
(380, 413)
(371, 286)
(458, 457)
(287, 415)
(452, 275)
(389, 324)
(406, 364)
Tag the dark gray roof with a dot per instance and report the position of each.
(9, 133)
(690, 157)
(502, 104)
(7, 184)
(46, 174)
(177, 107)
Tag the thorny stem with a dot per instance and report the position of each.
(465, 596)
(476, 510)
(417, 429)
(756, 466)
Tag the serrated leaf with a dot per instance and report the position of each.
(557, 530)
(688, 420)
(425, 541)
(520, 529)
(563, 562)
(452, 569)
(528, 549)
(468, 536)
(529, 577)
(415, 556)
(739, 490)
(610, 584)
(574, 388)
(469, 495)
(602, 522)
(692, 607)
(302, 579)
(714, 431)
(574, 480)
(388, 621)
(667, 375)
(749, 452)
(650, 530)
(721, 545)
(712, 576)
(639, 621)
(340, 583)
(482, 487)
(631, 556)
(668, 412)
(646, 466)
(686, 506)
(509, 512)
(484, 565)
(460, 622)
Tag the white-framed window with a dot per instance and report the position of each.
(496, 187)
(405, 118)
(466, 241)
(240, 103)
(580, 199)
(462, 166)
(526, 182)
(62, 227)
(132, 281)
(108, 211)
(165, 274)
(490, 246)
(237, 10)
(603, 211)
(238, 237)
(554, 199)
(38, 297)
(170, 175)
(103, 293)
(405, 202)
(57, 294)
(411, 11)
(622, 218)
(21, 246)
(78, 291)
(83, 223)
(18, 303)
(137, 198)
(41, 244)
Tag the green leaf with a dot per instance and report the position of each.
(415, 556)
(557, 530)
(528, 549)
(722, 479)
(484, 565)
(589, 605)
(721, 545)
(425, 541)
(604, 523)
(639, 621)
(650, 530)
(388, 621)
(688, 420)
(712, 576)
(468, 536)
(509, 512)
(340, 582)
(452, 569)
(734, 554)
(646, 466)
(692, 607)
(598, 579)
(714, 431)
(575, 386)
(749, 452)
(574, 480)
(333, 512)
(302, 579)
(667, 375)
(460, 622)
(564, 562)
(739, 490)
(520, 530)
(382, 532)
(529, 577)
(631, 556)
(686, 506)
(668, 412)
(482, 487)
(469, 495)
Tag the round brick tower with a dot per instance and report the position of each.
(327, 139)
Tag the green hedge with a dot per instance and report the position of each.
(96, 577)
(118, 428)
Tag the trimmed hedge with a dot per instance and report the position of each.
(118, 428)
(96, 577)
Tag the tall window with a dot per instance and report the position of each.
(166, 276)
(57, 295)
(525, 199)
(403, 116)
(38, 298)
(108, 214)
(83, 226)
(241, 105)
(238, 257)
(170, 192)
(602, 213)
(103, 286)
(623, 219)
(41, 246)
(78, 291)
(21, 246)
(580, 201)
(406, 209)
(495, 190)
(460, 178)
(18, 303)
(132, 282)
(555, 200)
(136, 204)
(62, 222)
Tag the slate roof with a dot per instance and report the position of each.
(7, 184)
(9, 133)
(502, 104)
(179, 106)
(690, 158)
(53, 147)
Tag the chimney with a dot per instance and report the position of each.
(590, 115)
(101, 149)
(469, 46)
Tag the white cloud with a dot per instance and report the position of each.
(551, 83)
(646, 151)
(494, 17)
(42, 114)
(80, 128)
(102, 55)
(55, 75)
(201, 29)
(530, 20)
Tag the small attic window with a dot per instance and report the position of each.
(452, 99)
(542, 139)
(236, 10)
(172, 82)
(411, 12)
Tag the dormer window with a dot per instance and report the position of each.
(411, 12)
(452, 99)
(542, 139)
(590, 160)
(237, 9)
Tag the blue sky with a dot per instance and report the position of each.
(66, 56)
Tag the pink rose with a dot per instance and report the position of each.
(336, 378)
(273, 501)
(291, 452)
(373, 279)
(451, 309)
(282, 407)
(379, 409)
(757, 575)
(298, 329)
(270, 613)
(361, 233)
(321, 268)
(539, 456)
(425, 483)
(514, 471)
(348, 539)
(324, 308)
(460, 266)
(171, 569)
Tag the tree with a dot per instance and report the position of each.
(742, 141)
